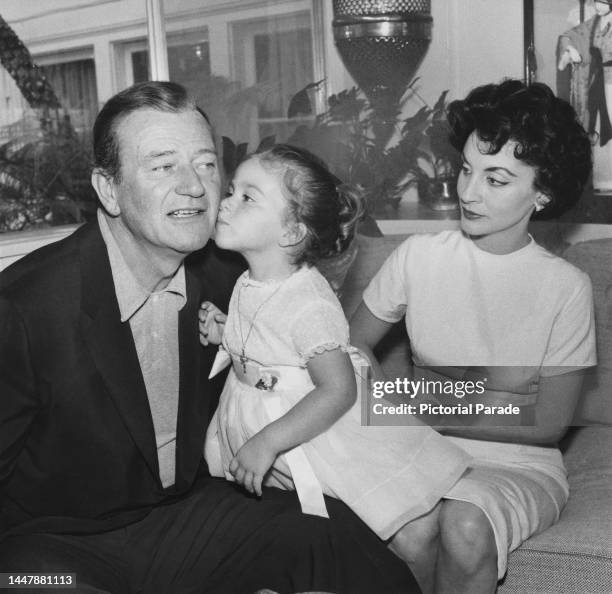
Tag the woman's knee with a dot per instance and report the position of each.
(466, 533)
(417, 537)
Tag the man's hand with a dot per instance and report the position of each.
(250, 464)
(212, 323)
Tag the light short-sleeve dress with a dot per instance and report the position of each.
(386, 475)
(526, 314)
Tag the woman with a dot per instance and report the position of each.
(488, 295)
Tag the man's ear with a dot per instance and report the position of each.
(293, 235)
(541, 201)
(104, 186)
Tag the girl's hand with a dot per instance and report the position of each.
(212, 323)
(250, 464)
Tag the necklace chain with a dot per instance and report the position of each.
(243, 357)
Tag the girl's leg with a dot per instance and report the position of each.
(417, 544)
(467, 558)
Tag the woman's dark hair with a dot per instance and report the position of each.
(328, 209)
(546, 129)
(162, 96)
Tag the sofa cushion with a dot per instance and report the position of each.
(595, 258)
(574, 555)
(371, 254)
(393, 352)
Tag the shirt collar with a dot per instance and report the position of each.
(131, 295)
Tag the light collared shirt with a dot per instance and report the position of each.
(153, 319)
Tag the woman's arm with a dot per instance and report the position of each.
(366, 332)
(556, 402)
(334, 393)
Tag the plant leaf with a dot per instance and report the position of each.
(266, 143)
(300, 103)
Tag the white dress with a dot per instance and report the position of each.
(524, 315)
(387, 475)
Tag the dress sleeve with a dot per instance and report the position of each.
(572, 340)
(386, 296)
(319, 327)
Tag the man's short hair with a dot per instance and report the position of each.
(168, 97)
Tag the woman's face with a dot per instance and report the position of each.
(497, 196)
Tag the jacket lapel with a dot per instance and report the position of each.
(209, 276)
(195, 403)
(111, 345)
(191, 422)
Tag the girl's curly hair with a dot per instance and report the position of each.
(328, 209)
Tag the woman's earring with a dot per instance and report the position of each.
(541, 202)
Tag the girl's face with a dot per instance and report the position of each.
(253, 215)
(497, 196)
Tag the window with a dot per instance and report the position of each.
(245, 75)
(275, 57)
(188, 61)
(242, 61)
(44, 158)
(73, 79)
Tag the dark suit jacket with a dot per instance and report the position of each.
(77, 445)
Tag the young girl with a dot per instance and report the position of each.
(287, 416)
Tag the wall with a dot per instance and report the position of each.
(474, 41)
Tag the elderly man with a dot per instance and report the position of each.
(104, 396)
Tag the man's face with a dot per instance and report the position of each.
(168, 192)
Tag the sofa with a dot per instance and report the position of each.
(575, 555)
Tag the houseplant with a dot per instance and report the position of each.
(383, 153)
(45, 166)
(44, 180)
(386, 154)
(436, 175)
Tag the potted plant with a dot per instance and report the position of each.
(44, 180)
(383, 155)
(436, 174)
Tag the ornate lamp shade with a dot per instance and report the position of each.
(382, 43)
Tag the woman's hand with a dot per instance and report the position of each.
(557, 399)
(252, 462)
(212, 323)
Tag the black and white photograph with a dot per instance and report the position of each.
(306, 296)
(572, 53)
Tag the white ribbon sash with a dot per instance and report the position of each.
(272, 380)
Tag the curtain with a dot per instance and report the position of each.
(283, 60)
(75, 85)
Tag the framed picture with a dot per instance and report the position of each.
(568, 46)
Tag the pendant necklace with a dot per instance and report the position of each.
(243, 357)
